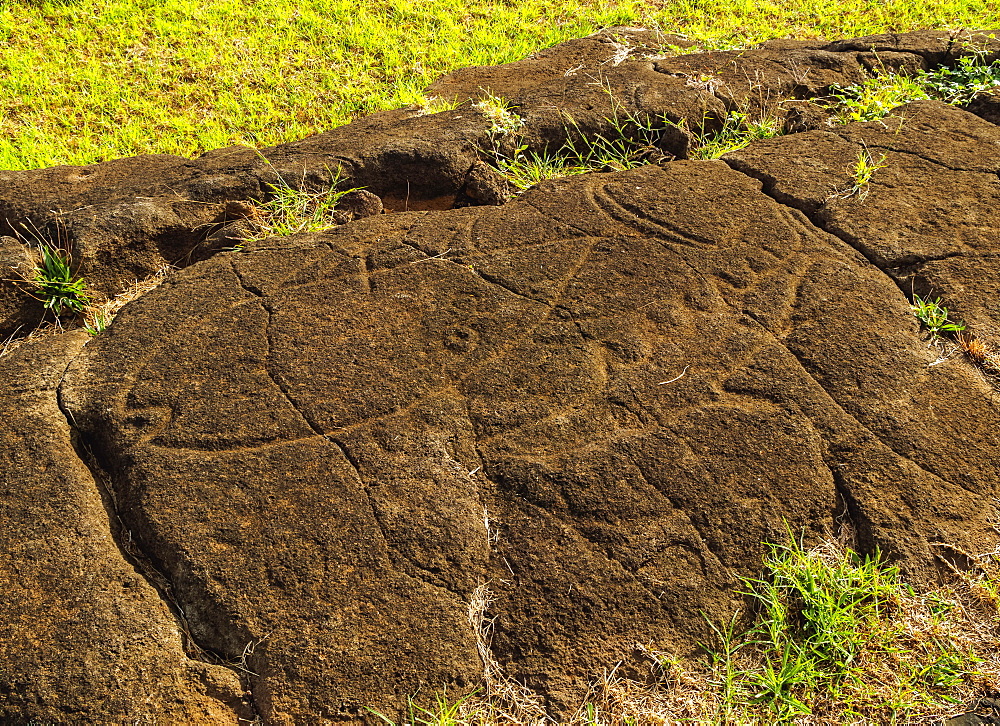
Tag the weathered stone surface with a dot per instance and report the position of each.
(18, 310)
(598, 400)
(936, 47)
(928, 218)
(311, 439)
(83, 637)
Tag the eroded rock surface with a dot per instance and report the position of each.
(84, 638)
(598, 401)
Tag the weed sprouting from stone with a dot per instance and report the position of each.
(738, 130)
(960, 83)
(56, 286)
(876, 97)
(503, 120)
(934, 316)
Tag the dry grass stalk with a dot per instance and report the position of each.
(97, 317)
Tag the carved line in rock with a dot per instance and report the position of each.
(820, 227)
(136, 554)
(341, 448)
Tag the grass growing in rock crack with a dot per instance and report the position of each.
(91, 80)
(738, 130)
(292, 210)
(861, 172)
(830, 637)
(60, 290)
(629, 142)
(875, 97)
(934, 316)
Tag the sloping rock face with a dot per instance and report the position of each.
(85, 638)
(294, 468)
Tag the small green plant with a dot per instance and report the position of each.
(444, 712)
(861, 173)
(738, 130)
(875, 97)
(436, 104)
(970, 76)
(55, 284)
(291, 210)
(525, 168)
(934, 316)
(630, 141)
(499, 112)
(97, 323)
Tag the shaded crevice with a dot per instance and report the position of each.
(147, 566)
(850, 515)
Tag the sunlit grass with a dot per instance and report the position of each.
(96, 79)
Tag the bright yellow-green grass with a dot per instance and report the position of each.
(88, 80)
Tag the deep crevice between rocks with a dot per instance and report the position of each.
(132, 551)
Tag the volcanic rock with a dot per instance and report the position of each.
(299, 480)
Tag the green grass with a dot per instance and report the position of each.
(294, 209)
(875, 98)
(629, 142)
(837, 633)
(90, 80)
(934, 316)
(862, 172)
(54, 283)
(738, 130)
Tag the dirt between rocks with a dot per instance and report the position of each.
(273, 486)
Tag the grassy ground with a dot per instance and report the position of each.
(89, 80)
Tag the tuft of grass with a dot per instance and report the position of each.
(934, 316)
(60, 291)
(526, 168)
(292, 210)
(875, 97)
(427, 105)
(861, 172)
(498, 110)
(982, 353)
(840, 638)
(631, 141)
(738, 130)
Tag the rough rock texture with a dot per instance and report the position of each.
(598, 401)
(928, 219)
(84, 637)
